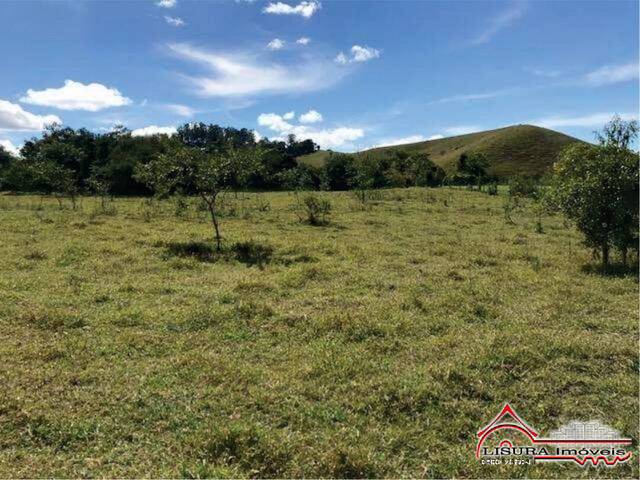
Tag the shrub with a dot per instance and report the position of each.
(316, 209)
(253, 253)
(523, 186)
(492, 189)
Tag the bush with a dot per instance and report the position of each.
(492, 189)
(316, 209)
(523, 186)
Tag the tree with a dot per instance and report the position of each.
(424, 172)
(473, 168)
(338, 172)
(207, 174)
(5, 157)
(596, 186)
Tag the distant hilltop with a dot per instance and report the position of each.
(515, 150)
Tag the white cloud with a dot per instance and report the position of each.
(312, 116)
(181, 110)
(274, 122)
(166, 3)
(13, 117)
(256, 135)
(305, 9)
(359, 54)
(437, 136)
(275, 44)
(515, 11)
(332, 138)
(303, 41)
(475, 96)
(289, 115)
(390, 142)
(341, 58)
(364, 54)
(153, 130)
(10, 147)
(242, 75)
(175, 21)
(595, 120)
(77, 96)
(613, 74)
(461, 130)
(326, 138)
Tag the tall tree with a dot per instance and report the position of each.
(596, 186)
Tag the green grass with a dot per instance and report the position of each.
(515, 150)
(375, 346)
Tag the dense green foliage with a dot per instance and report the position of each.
(109, 162)
(115, 156)
(597, 187)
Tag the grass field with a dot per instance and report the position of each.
(375, 346)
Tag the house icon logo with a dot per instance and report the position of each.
(508, 439)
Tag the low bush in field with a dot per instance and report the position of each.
(314, 210)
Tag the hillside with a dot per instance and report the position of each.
(519, 149)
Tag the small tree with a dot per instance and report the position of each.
(208, 175)
(597, 188)
(473, 168)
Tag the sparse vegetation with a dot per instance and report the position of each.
(374, 347)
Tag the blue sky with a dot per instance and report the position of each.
(348, 74)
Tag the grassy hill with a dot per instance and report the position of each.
(519, 149)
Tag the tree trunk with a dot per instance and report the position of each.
(214, 219)
(605, 256)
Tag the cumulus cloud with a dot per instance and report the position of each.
(289, 115)
(303, 41)
(243, 75)
(10, 147)
(326, 138)
(437, 136)
(511, 14)
(274, 122)
(275, 44)
(13, 117)
(341, 58)
(166, 3)
(595, 120)
(305, 9)
(358, 54)
(175, 21)
(77, 96)
(311, 116)
(153, 130)
(610, 74)
(363, 54)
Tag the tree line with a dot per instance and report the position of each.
(67, 161)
